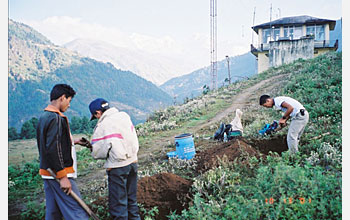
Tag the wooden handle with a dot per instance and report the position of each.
(77, 198)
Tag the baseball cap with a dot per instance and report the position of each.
(97, 104)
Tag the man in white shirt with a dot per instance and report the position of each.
(115, 140)
(292, 110)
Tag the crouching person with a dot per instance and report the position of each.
(114, 139)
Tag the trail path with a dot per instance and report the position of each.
(245, 98)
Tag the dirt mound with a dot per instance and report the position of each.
(233, 149)
(167, 191)
(275, 144)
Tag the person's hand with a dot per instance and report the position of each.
(65, 185)
(282, 122)
(83, 142)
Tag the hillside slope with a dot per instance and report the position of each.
(247, 181)
(36, 65)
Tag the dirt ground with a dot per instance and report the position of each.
(234, 149)
(167, 191)
(274, 144)
(170, 192)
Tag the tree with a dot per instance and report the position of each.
(28, 129)
(75, 125)
(12, 133)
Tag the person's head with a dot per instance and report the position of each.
(266, 101)
(98, 107)
(61, 95)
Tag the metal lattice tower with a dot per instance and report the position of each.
(213, 43)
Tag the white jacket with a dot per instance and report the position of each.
(115, 139)
(236, 122)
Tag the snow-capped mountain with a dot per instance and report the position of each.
(153, 67)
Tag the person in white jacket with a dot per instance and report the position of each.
(115, 140)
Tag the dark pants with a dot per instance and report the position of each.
(59, 204)
(122, 188)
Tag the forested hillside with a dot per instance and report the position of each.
(36, 65)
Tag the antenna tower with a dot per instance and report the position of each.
(253, 26)
(213, 43)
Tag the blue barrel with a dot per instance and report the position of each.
(185, 146)
(171, 154)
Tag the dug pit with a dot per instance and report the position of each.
(274, 144)
(170, 192)
(234, 149)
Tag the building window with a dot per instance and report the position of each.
(320, 32)
(317, 31)
(288, 32)
(276, 34)
(266, 35)
(298, 32)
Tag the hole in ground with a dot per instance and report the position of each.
(275, 144)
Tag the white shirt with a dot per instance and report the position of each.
(294, 103)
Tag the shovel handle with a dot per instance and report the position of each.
(77, 198)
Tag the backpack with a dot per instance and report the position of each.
(226, 129)
(219, 134)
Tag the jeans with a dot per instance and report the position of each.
(59, 204)
(122, 188)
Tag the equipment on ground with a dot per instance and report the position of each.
(185, 148)
(225, 133)
(271, 128)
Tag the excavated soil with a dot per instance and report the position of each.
(170, 192)
(234, 149)
(167, 191)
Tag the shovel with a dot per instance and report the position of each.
(76, 197)
(280, 127)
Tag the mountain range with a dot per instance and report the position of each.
(156, 68)
(191, 85)
(36, 65)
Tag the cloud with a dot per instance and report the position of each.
(194, 49)
(63, 29)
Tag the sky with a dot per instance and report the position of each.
(178, 28)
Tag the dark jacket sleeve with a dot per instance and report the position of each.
(53, 145)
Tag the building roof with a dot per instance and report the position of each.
(296, 20)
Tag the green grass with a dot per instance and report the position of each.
(22, 151)
(234, 191)
(275, 188)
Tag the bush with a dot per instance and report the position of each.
(278, 190)
(12, 134)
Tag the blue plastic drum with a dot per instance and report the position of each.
(185, 146)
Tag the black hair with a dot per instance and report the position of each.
(103, 109)
(61, 89)
(263, 99)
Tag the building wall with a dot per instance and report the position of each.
(263, 62)
(283, 52)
